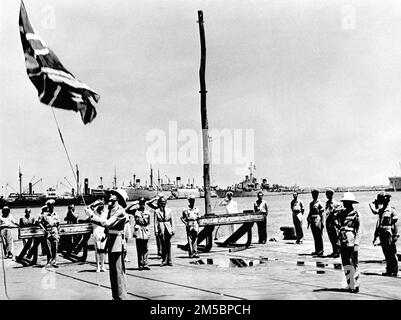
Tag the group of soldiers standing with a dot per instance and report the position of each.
(48, 220)
(112, 216)
(343, 228)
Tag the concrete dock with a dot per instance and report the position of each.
(275, 270)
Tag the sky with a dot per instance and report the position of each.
(318, 83)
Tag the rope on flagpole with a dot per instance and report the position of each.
(65, 149)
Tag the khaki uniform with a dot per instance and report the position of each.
(142, 234)
(6, 236)
(349, 233)
(191, 217)
(262, 225)
(297, 208)
(116, 246)
(332, 225)
(165, 229)
(23, 223)
(315, 219)
(388, 237)
(52, 237)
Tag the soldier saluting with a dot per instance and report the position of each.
(114, 224)
(387, 231)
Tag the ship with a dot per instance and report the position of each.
(395, 182)
(249, 187)
(135, 190)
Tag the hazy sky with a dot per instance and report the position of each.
(324, 100)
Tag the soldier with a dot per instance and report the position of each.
(50, 222)
(231, 206)
(141, 231)
(190, 217)
(151, 204)
(332, 227)
(297, 208)
(67, 242)
(388, 232)
(99, 235)
(7, 221)
(165, 229)
(26, 221)
(71, 216)
(115, 224)
(260, 205)
(349, 233)
(315, 221)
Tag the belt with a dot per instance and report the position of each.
(116, 232)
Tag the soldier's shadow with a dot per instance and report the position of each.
(331, 290)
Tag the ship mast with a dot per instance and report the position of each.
(20, 180)
(78, 189)
(115, 178)
(204, 120)
(151, 176)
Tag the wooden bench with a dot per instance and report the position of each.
(247, 218)
(79, 233)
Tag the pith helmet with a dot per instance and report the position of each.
(5, 210)
(121, 195)
(349, 196)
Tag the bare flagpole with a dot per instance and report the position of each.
(204, 120)
(207, 232)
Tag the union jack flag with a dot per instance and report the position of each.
(57, 87)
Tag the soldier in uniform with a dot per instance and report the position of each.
(190, 217)
(151, 204)
(231, 207)
(332, 227)
(141, 231)
(297, 208)
(350, 235)
(24, 222)
(165, 229)
(50, 221)
(71, 216)
(260, 205)
(315, 221)
(114, 225)
(388, 232)
(7, 221)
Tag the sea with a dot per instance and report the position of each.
(279, 213)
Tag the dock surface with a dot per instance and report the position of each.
(275, 270)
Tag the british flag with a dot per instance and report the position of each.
(57, 87)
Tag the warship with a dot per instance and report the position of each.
(249, 187)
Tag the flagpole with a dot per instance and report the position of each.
(207, 232)
(204, 120)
